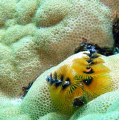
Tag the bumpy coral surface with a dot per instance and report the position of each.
(47, 97)
(35, 34)
(104, 107)
(43, 101)
(113, 5)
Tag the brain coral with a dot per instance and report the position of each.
(35, 34)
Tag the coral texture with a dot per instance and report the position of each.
(113, 5)
(105, 107)
(41, 93)
(35, 34)
(39, 105)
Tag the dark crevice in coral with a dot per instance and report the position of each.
(26, 89)
(103, 50)
(79, 101)
(116, 31)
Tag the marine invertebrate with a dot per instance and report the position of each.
(28, 36)
(27, 44)
(78, 81)
(38, 103)
(113, 5)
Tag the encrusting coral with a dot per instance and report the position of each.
(113, 5)
(105, 107)
(43, 99)
(35, 34)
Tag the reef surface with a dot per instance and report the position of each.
(38, 34)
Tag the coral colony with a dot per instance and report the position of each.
(29, 32)
(75, 82)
